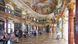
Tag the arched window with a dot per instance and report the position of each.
(9, 9)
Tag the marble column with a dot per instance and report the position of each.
(71, 22)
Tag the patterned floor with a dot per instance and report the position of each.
(42, 39)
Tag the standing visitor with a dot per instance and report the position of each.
(17, 35)
(5, 38)
(1, 37)
(12, 38)
(20, 33)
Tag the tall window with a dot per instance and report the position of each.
(10, 27)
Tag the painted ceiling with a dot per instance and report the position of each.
(44, 7)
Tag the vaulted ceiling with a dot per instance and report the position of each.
(42, 10)
(40, 7)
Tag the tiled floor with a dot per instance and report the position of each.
(42, 39)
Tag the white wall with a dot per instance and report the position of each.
(65, 25)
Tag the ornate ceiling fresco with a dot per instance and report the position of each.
(41, 10)
(43, 6)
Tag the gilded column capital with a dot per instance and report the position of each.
(71, 5)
